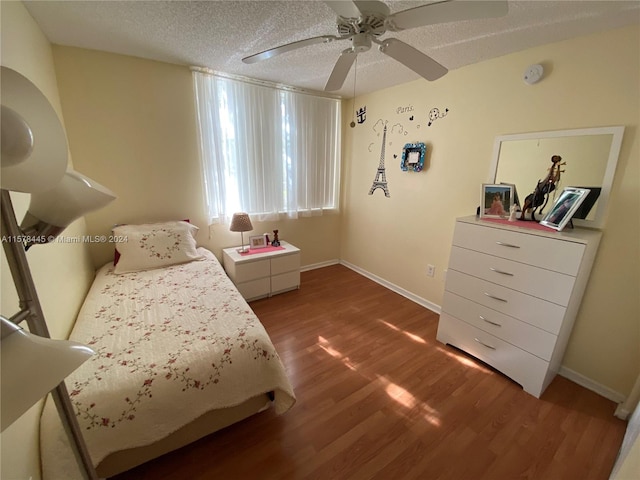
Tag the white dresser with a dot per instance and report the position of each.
(263, 274)
(512, 295)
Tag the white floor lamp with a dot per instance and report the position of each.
(34, 160)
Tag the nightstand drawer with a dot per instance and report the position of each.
(548, 253)
(539, 313)
(254, 288)
(285, 263)
(552, 286)
(532, 339)
(252, 270)
(285, 281)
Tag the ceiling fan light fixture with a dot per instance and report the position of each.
(361, 42)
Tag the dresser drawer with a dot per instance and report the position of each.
(548, 253)
(526, 369)
(532, 339)
(285, 263)
(534, 311)
(552, 286)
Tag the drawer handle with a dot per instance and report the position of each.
(489, 321)
(501, 272)
(495, 298)
(485, 344)
(510, 245)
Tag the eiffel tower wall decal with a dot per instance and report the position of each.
(380, 181)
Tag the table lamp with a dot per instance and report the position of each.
(241, 223)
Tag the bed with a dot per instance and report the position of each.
(179, 355)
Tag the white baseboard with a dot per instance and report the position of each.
(394, 288)
(313, 266)
(592, 385)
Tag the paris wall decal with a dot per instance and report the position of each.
(395, 133)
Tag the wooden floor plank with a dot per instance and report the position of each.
(380, 398)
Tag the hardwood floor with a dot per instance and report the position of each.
(379, 397)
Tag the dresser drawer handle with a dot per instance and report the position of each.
(510, 245)
(485, 344)
(489, 321)
(501, 272)
(495, 298)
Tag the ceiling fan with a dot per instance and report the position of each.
(364, 22)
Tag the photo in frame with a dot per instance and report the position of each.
(413, 157)
(496, 200)
(257, 241)
(564, 207)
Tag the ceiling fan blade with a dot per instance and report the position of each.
(340, 70)
(417, 61)
(446, 11)
(345, 9)
(272, 52)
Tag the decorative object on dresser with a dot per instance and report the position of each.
(566, 205)
(540, 195)
(276, 240)
(257, 241)
(512, 295)
(241, 223)
(496, 200)
(264, 274)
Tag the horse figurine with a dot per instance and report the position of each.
(540, 196)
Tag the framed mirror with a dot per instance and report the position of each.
(589, 155)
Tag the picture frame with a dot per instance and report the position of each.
(413, 157)
(257, 241)
(496, 200)
(564, 207)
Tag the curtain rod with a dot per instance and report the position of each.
(263, 83)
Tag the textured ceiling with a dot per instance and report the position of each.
(218, 34)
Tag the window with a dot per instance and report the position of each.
(266, 151)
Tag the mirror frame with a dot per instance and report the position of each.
(607, 181)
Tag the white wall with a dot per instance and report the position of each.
(62, 273)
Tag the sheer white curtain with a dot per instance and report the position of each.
(266, 151)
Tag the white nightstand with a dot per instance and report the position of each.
(263, 274)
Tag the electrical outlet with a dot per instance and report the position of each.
(431, 270)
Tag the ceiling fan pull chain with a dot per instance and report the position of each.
(355, 76)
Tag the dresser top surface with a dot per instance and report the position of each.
(581, 235)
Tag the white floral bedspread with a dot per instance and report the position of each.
(171, 344)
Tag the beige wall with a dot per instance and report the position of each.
(62, 272)
(591, 81)
(131, 126)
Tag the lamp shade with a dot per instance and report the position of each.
(52, 211)
(34, 146)
(32, 366)
(241, 223)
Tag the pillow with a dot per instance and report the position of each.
(116, 253)
(155, 245)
